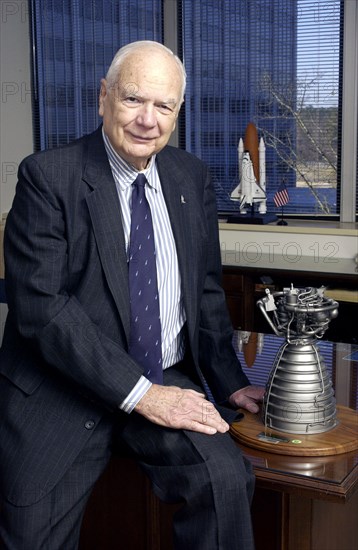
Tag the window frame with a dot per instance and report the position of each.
(347, 178)
(349, 117)
(347, 184)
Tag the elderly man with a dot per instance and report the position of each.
(117, 327)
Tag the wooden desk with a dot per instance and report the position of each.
(312, 509)
(300, 503)
(307, 503)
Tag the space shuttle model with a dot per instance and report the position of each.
(252, 172)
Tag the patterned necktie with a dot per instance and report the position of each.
(145, 329)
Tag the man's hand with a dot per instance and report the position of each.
(248, 398)
(177, 408)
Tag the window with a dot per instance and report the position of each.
(74, 43)
(277, 63)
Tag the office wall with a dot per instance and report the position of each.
(16, 138)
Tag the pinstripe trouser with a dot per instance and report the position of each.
(207, 473)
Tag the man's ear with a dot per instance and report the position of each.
(102, 95)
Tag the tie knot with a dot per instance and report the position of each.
(140, 180)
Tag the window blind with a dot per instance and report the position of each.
(73, 44)
(275, 63)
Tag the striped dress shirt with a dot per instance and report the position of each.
(172, 314)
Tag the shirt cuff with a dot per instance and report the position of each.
(139, 390)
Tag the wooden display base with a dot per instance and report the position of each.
(250, 431)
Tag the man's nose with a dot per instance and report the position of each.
(147, 116)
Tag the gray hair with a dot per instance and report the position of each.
(125, 51)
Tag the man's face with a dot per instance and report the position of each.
(140, 110)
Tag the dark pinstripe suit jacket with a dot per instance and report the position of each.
(64, 360)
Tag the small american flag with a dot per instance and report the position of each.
(281, 197)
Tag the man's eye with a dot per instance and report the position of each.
(131, 100)
(165, 108)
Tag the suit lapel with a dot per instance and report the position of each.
(181, 204)
(105, 213)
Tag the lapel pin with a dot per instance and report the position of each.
(182, 200)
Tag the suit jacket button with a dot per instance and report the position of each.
(89, 425)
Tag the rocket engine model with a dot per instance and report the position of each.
(299, 395)
(252, 171)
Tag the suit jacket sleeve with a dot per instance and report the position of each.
(217, 357)
(51, 303)
(195, 226)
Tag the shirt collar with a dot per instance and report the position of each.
(123, 171)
